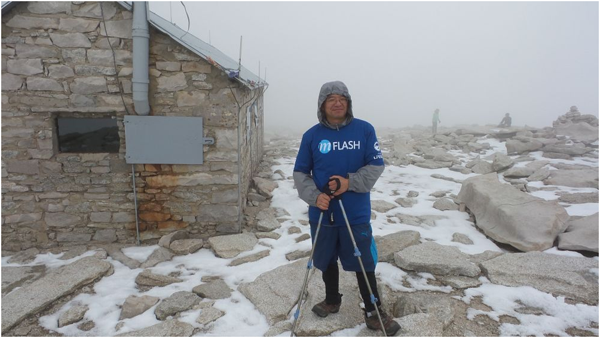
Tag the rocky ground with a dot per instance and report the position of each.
(431, 289)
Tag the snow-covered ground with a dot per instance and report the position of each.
(242, 318)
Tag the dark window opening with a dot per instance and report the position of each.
(88, 135)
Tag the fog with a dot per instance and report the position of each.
(475, 61)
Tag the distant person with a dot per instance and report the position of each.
(344, 148)
(506, 121)
(436, 119)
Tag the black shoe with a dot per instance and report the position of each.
(372, 321)
(323, 309)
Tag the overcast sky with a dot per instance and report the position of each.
(475, 61)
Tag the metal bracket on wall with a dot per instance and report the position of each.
(208, 141)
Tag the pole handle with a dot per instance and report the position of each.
(330, 191)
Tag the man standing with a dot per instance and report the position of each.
(341, 148)
(436, 119)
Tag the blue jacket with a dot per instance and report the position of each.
(325, 152)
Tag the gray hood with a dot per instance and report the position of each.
(339, 88)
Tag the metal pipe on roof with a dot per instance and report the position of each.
(141, 52)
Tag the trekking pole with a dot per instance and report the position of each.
(308, 267)
(330, 193)
(357, 254)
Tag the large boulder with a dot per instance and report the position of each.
(581, 234)
(519, 172)
(178, 302)
(264, 187)
(560, 275)
(482, 167)
(275, 293)
(30, 299)
(266, 221)
(436, 259)
(388, 245)
(168, 328)
(134, 305)
(147, 278)
(510, 216)
(439, 305)
(517, 147)
(581, 131)
(229, 246)
(572, 150)
(578, 178)
(502, 162)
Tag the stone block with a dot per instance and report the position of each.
(93, 10)
(103, 43)
(217, 213)
(117, 28)
(105, 235)
(126, 85)
(25, 66)
(43, 84)
(202, 85)
(28, 167)
(188, 56)
(25, 51)
(60, 71)
(79, 100)
(101, 217)
(168, 66)
(191, 99)
(40, 154)
(199, 77)
(104, 57)
(73, 237)
(189, 180)
(94, 70)
(123, 217)
(61, 219)
(226, 138)
(70, 40)
(22, 218)
(43, 41)
(77, 25)
(89, 85)
(154, 216)
(223, 156)
(225, 196)
(74, 55)
(125, 71)
(48, 7)
(171, 225)
(29, 22)
(171, 83)
(11, 82)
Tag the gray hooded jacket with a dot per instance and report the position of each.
(361, 181)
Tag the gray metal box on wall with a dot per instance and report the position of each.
(164, 140)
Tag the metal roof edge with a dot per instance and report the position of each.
(207, 52)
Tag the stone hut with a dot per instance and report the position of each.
(67, 177)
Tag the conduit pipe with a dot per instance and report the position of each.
(141, 50)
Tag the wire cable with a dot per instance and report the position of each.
(114, 59)
(188, 19)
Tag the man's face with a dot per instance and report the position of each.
(336, 107)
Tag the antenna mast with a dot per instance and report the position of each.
(240, 63)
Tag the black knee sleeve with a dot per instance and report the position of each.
(364, 290)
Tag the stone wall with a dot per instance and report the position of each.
(57, 62)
